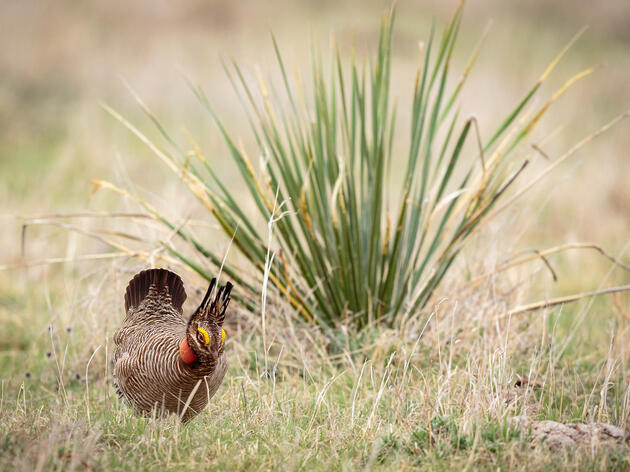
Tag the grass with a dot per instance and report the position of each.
(428, 394)
(431, 390)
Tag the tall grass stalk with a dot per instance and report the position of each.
(344, 254)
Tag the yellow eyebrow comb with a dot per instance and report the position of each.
(206, 338)
(222, 335)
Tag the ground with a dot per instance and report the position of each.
(435, 391)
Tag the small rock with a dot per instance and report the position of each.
(569, 435)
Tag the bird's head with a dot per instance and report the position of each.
(205, 338)
(205, 335)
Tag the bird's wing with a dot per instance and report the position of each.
(121, 372)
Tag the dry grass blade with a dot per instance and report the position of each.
(559, 161)
(562, 300)
(62, 260)
(543, 255)
(96, 235)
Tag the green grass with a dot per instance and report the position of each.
(438, 401)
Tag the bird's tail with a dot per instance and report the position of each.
(161, 280)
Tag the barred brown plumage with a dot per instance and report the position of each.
(163, 363)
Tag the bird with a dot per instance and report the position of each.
(163, 363)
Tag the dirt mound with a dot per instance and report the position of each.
(570, 435)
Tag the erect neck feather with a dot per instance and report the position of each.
(186, 353)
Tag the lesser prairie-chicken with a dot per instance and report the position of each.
(163, 362)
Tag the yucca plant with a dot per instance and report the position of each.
(325, 187)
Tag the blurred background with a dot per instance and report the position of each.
(60, 59)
